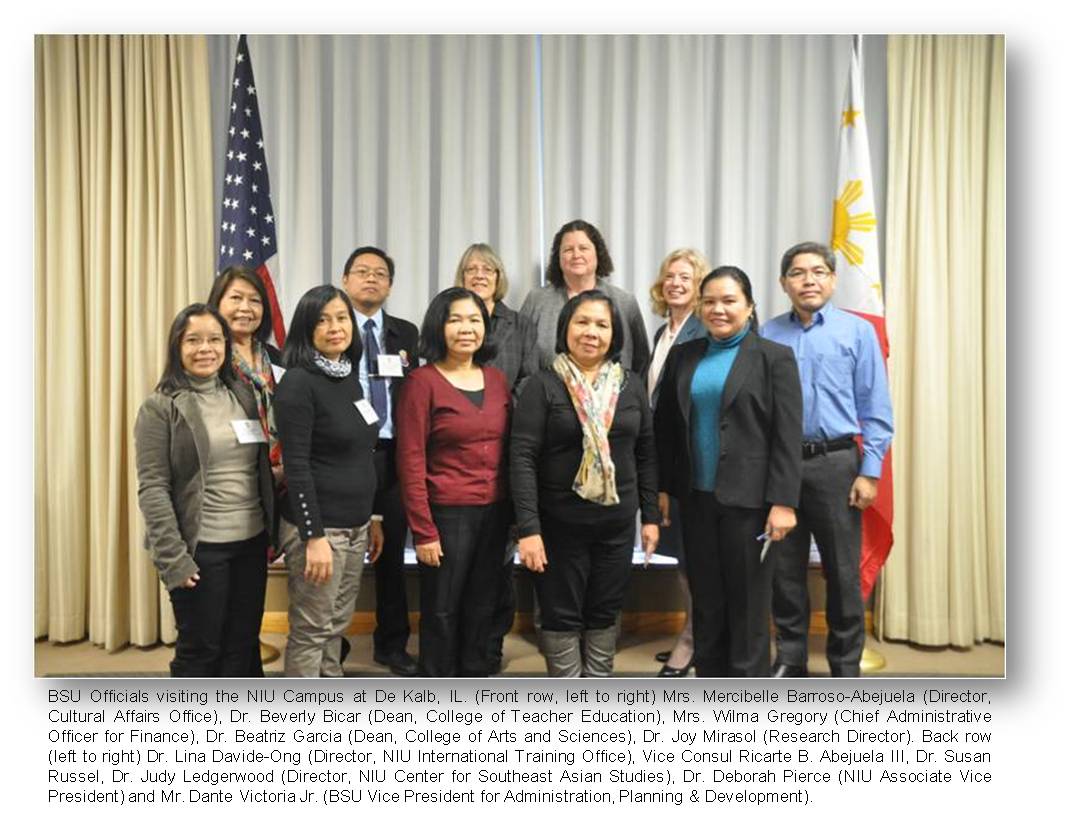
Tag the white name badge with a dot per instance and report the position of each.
(277, 372)
(367, 411)
(390, 365)
(249, 431)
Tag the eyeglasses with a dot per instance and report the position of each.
(197, 341)
(472, 270)
(819, 274)
(377, 274)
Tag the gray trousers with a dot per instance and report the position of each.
(320, 613)
(837, 530)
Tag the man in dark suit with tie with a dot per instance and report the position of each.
(389, 347)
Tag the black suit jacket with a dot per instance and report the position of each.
(761, 424)
(399, 338)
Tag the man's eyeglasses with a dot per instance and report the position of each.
(378, 274)
(820, 274)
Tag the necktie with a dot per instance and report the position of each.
(376, 386)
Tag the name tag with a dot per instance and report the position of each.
(277, 372)
(249, 431)
(390, 366)
(367, 411)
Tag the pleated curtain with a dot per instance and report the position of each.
(945, 274)
(123, 241)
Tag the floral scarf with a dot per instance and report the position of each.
(260, 377)
(595, 403)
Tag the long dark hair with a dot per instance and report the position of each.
(433, 329)
(741, 278)
(604, 264)
(250, 277)
(299, 350)
(617, 328)
(174, 377)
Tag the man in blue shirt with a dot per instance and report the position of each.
(845, 394)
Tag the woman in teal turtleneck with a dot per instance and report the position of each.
(728, 429)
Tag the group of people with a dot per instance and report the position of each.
(493, 434)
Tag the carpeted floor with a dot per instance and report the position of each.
(635, 658)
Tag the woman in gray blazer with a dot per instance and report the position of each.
(205, 491)
(674, 296)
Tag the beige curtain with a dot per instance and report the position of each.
(944, 582)
(123, 202)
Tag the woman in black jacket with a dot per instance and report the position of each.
(328, 431)
(729, 427)
(581, 463)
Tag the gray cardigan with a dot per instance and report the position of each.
(171, 446)
(542, 306)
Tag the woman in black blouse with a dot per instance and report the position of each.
(328, 431)
(582, 461)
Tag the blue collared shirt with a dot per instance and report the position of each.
(386, 430)
(842, 372)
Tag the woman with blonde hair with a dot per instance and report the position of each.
(674, 296)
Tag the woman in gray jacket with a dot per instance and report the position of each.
(205, 491)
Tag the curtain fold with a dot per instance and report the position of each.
(945, 272)
(419, 144)
(724, 143)
(123, 241)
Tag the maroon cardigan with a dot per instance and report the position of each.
(449, 451)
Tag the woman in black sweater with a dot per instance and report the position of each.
(328, 431)
(582, 461)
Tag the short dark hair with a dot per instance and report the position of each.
(249, 276)
(382, 254)
(617, 328)
(741, 278)
(432, 346)
(174, 377)
(604, 266)
(808, 247)
(299, 350)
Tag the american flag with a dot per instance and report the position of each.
(247, 227)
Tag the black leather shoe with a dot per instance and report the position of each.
(787, 670)
(401, 663)
(662, 657)
(668, 671)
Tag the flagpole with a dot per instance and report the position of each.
(854, 239)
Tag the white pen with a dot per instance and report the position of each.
(764, 536)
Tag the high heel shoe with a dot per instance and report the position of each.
(668, 671)
(663, 656)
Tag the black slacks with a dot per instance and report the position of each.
(837, 530)
(458, 597)
(218, 620)
(392, 608)
(583, 586)
(505, 604)
(730, 587)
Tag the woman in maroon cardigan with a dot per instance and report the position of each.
(452, 421)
